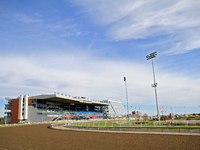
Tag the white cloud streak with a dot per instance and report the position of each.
(145, 19)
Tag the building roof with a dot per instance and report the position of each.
(65, 99)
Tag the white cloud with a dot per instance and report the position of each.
(80, 75)
(111, 11)
(145, 19)
(185, 43)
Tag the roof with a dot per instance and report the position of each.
(65, 99)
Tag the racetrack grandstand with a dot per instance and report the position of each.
(114, 109)
(50, 107)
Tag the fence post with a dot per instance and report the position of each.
(134, 128)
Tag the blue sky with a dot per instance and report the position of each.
(85, 48)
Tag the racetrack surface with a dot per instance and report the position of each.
(43, 137)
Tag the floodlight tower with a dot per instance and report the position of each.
(126, 98)
(151, 56)
(184, 110)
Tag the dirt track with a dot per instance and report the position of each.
(42, 137)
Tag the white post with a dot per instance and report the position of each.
(26, 107)
(20, 107)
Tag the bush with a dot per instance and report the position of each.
(1, 120)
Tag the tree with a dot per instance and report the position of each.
(1, 120)
(145, 117)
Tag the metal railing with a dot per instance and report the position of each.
(141, 129)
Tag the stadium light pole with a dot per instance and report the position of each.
(126, 98)
(125, 109)
(131, 110)
(184, 110)
(151, 56)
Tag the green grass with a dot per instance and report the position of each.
(125, 124)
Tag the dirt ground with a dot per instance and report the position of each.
(43, 137)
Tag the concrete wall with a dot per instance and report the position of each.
(33, 117)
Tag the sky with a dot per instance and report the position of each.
(86, 48)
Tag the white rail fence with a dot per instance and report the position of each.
(135, 126)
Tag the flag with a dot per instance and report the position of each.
(161, 107)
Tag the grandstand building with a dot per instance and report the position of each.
(40, 108)
(114, 109)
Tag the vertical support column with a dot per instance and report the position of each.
(20, 107)
(26, 107)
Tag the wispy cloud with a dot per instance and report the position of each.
(185, 43)
(71, 34)
(62, 25)
(146, 19)
(65, 28)
(91, 44)
(27, 19)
